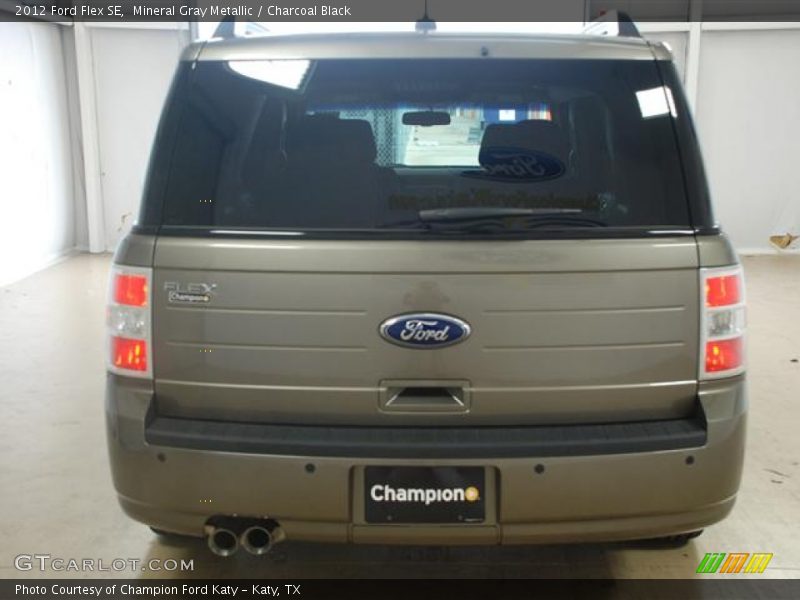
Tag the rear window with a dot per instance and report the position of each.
(419, 146)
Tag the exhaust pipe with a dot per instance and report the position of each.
(226, 534)
(222, 542)
(257, 539)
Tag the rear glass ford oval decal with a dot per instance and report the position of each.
(517, 164)
(424, 330)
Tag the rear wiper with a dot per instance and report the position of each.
(469, 213)
(491, 220)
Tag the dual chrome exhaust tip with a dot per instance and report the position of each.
(256, 540)
(256, 536)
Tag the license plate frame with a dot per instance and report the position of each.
(431, 495)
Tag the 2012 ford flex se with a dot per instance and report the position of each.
(438, 289)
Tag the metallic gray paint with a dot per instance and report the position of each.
(633, 495)
(438, 45)
(564, 331)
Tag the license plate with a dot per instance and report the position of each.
(424, 494)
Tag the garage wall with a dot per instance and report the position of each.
(133, 69)
(748, 114)
(43, 206)
(747, 111)
(37, 204)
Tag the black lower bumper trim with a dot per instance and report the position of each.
(427, 442)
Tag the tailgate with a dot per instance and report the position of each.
(562, 331)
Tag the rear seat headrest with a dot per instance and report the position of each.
(348, 141)
(534, 135)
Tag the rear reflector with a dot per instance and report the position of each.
(724, 355)
(130, 290)
(129, 354)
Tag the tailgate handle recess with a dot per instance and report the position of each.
(420, 396)
(428, 396)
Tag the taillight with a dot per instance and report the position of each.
(130, 290)
(129, 354)
(723, 290)
(128, 322)
(723, 322)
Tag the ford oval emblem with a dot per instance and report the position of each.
(517, 164)
(424, 330)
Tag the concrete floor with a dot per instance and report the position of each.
(56, 495)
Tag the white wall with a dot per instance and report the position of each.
(43, 206)
(748, 115)
(132, 70)
(37, 207)
(747, 111)
(73, 107)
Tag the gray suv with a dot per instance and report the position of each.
(426, 288)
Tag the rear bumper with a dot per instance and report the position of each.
(413, 443)
(626, 492)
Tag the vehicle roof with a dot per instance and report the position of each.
(426, 45)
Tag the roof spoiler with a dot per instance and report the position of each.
(613, 23)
